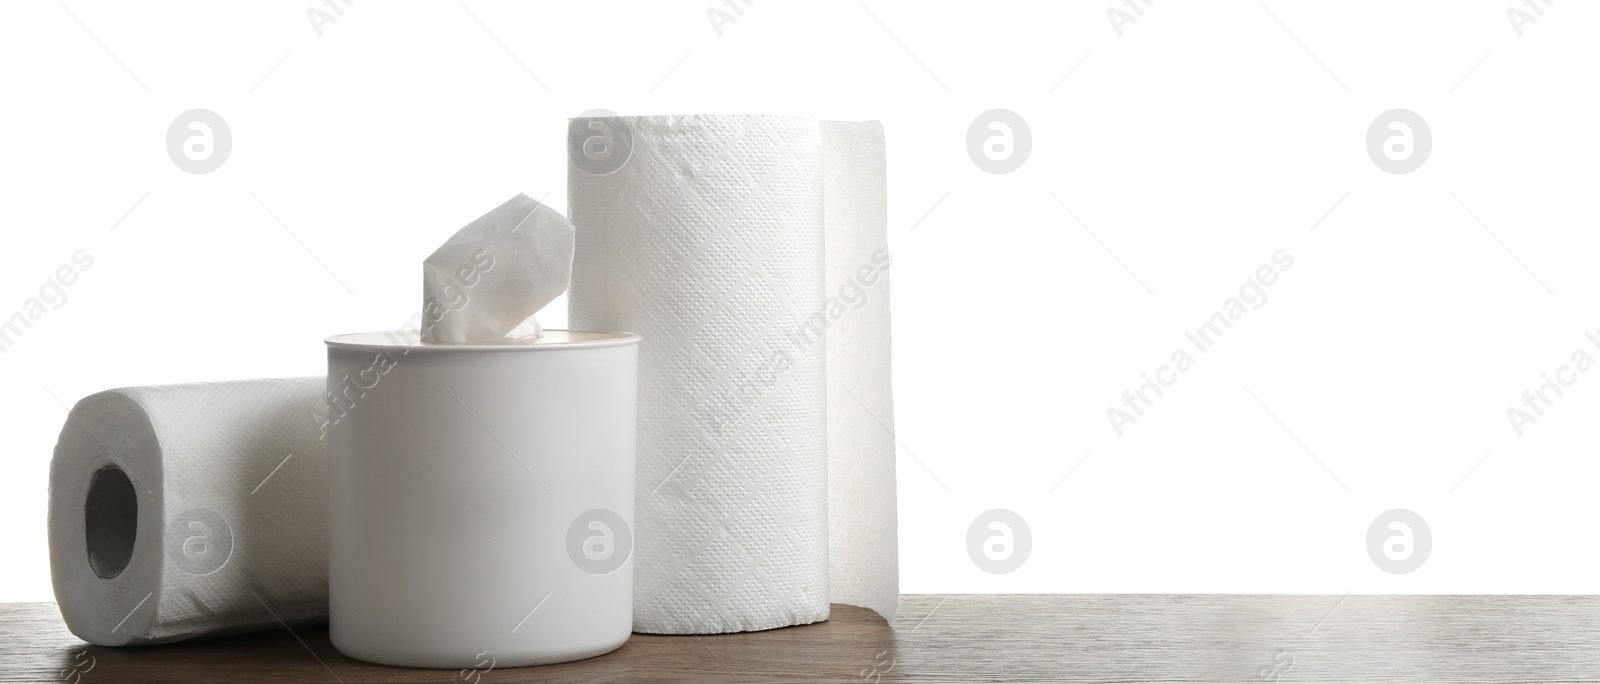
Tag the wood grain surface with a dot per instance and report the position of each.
(968, 638)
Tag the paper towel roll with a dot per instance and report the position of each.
(191, 510)
(750, 253)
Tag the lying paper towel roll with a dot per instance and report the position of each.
(191, 510)
(750, 253)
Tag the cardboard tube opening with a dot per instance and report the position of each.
(110, 521)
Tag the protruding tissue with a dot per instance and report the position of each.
(488, 280)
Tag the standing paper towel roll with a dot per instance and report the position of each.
(750, 253)
(191, 510)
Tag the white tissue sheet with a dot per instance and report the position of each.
(227, 520)
(487, 281)
(750, 253)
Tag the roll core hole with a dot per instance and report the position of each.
(110, 521)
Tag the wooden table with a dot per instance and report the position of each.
(952, 638)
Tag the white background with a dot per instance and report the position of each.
(1195, 145)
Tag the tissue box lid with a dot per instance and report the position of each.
(553, 340)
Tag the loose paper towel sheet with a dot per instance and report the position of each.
(750, 253)
(216, 494)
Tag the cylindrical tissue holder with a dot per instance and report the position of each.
(481, 498)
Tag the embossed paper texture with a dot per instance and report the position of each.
(750, 254)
